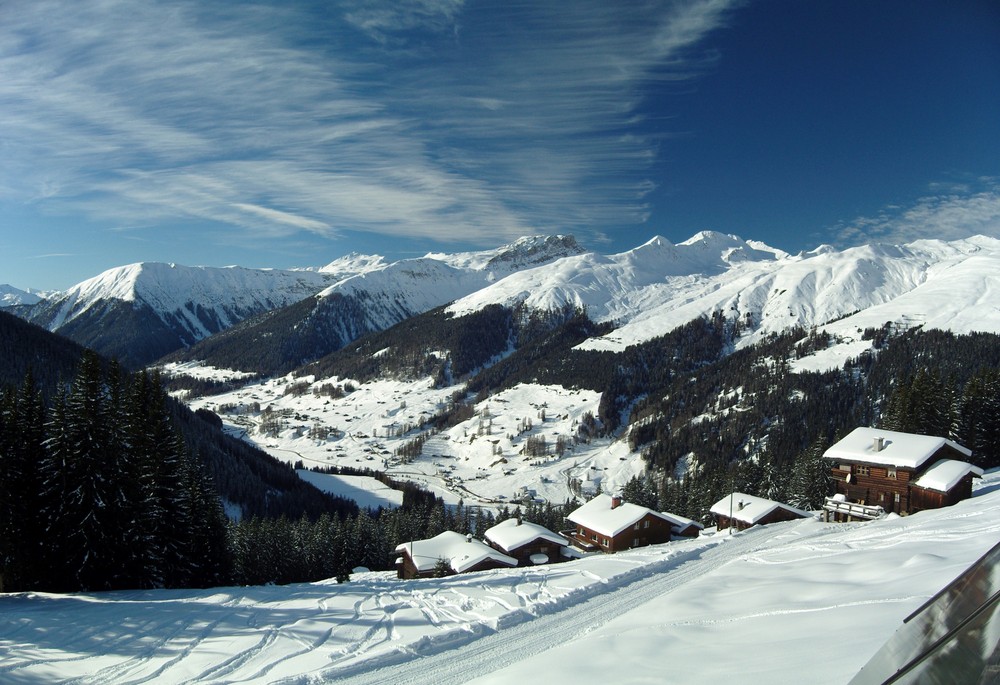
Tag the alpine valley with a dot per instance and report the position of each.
(277, 435)
(539, 372)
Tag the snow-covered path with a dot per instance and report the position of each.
(514, 643)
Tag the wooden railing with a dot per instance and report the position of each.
(861, 511)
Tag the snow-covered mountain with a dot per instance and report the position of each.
(401, 289)
(373, 296)
(141, 311)
(11, 296)
(659, 286)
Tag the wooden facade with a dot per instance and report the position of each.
(881, 486)
(922, 498)
(406, 569)
(523, 553)
(864, 473)
(446, 554)
(776, 516)
(649, 530)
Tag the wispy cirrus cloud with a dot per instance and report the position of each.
(424, 118)
(954, 212)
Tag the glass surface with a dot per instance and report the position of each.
(952, 638)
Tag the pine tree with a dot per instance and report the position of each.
(82, 485)
(810, 479)
(640, 491)
(22, 419)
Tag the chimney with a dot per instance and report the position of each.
(741, 505)
(878, 444)
(468, 537)
(616, 501)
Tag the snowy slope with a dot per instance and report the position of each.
(11, 296)
(391, 292)
(202, 300)
(770, 604)
(479, 460)
(659, 286)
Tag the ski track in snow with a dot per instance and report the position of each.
(527, 635)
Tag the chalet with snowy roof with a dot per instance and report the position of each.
(448, 553)
(741, 511)
(609, 524)
(879, 471)
(527, 542)
(681, 526)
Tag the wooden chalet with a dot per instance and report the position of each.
(887, 471)
(609, 524)
(681, 526)
(448, 553)
(527, 542)
(741, 511)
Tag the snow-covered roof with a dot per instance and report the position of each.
(460, 552)
(598, 516)
(946, 473)
(749, 508)
(510, 534)
(680, 522)
(905, 450)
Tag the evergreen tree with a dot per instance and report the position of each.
(640, 491)
(82, 485)
(22, 419)
(810, 478)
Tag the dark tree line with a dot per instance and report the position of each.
(99, 492)
(285, 550)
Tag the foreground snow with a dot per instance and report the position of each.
(772, 603)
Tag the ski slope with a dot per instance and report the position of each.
(772, 604)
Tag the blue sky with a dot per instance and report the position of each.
(289, 134)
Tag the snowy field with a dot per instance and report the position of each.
(480, 461)
(366, 491)
(795, 602)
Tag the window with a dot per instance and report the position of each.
(895, 498)
(864, 471)
(635, 542)
(891, 473)
(594, 537)
(645, 524)
(637, 525)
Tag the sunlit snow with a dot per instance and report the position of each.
(776, 604)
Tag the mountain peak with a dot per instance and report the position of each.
(713, 239)
(11, 296)
(536, 250)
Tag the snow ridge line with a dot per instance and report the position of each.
(516, 636)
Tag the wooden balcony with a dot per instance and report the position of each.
(852, 510)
